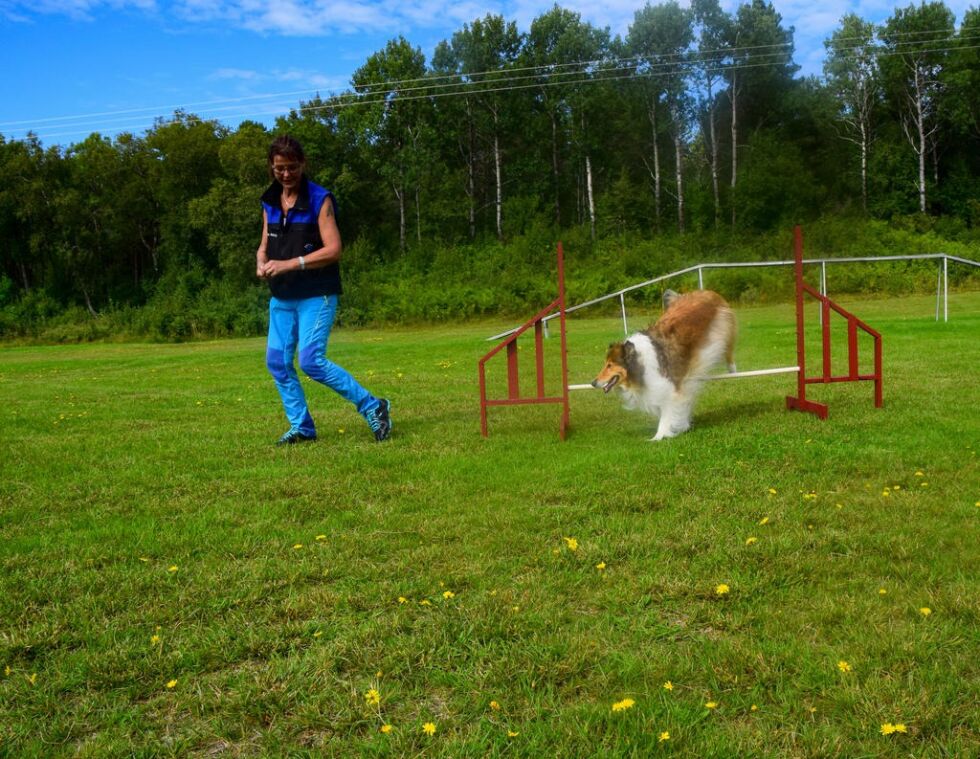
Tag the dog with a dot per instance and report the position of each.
(662, 369)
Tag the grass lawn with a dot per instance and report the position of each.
(174, 585)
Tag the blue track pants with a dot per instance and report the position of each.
(305, 324)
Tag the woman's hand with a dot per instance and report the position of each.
(274, 268)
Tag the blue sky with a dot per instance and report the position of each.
(76, 66)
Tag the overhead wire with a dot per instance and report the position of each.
(467, 84)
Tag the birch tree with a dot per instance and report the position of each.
(851, 69)
(918, 39)
(660, 36)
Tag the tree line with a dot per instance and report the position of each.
(696, 121)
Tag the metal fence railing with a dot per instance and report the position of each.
(942, 282)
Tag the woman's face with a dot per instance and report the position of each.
(287, 172)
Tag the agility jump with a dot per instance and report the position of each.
(798, 402)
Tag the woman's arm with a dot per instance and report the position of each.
(261, 259)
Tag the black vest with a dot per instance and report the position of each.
(295, 234)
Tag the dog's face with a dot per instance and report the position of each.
(620, 363)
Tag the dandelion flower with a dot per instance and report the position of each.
(882, 591)
(621, 706)
(385, 729)
(600, 566)
(512, 733)
(900, 728)
(429, 728)
(920, 473)
(154, 639)
(722, 589)
(318, 633)
(7, 670)
(764, 520)
(32, 678)
(753, 708)
(372, 697)
(843, 666)
(172, 684)
(925, 611)
(172, 568)
(402, 599)
(321, 537)
(772, 491)
(887, 729)
(572, 544)
(448, 594)
(750, 540)
(495, 706)
(425, 602)
(664, 736)
(668, 685)
(711, 705)
(297, 546)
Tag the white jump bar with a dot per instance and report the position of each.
(731, 375)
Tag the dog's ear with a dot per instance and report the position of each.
(669, 297)
(629, 352)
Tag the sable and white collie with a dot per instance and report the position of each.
(662, 369)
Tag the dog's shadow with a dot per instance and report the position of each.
(725, 415)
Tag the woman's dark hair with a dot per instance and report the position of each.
(287, 147)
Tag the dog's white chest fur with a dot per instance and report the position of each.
(657, 390)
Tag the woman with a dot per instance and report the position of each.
(299, 258)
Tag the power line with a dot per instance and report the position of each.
(613, 70)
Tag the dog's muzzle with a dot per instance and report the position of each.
(608, 386)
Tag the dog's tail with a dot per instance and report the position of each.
(669, 297)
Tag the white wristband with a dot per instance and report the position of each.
(302, 263)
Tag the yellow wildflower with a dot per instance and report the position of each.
(664, 736)
(372, 697)
(920, 473)
(318, 633)
(385, 729)
(7, 670)
(772, 491)
(621, 706)
(172, 568)
(402, 599)
(722, 589)
(297, 546)
(764, 520)
(321, 537)
(753, 708)
(448, 594)
(900, 728)
(750, 540)
(600, 566)
(925, 611)
(172, 684)
(668, 685)
(882, 591)
(512, 733)
(711, 705)
(887, 729)
(495, 706)
(429, 728)
(32, 678)
(154, 639)
(843, 666)
(425, 602)
(572, 544)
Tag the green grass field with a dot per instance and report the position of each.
(174, 585)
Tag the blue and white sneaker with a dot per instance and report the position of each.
(379, 420)
(291, 437)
